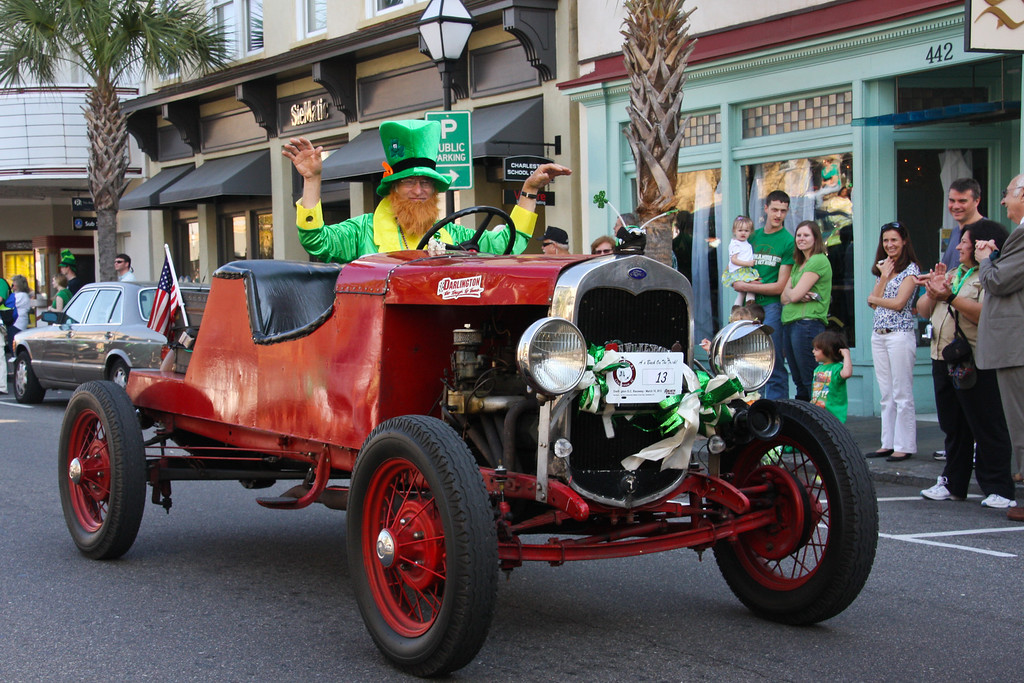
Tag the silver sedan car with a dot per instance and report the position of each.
(102, 334)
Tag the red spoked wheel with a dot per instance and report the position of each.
(813, 560)
(422, 545)
(406, 559)
(102, 470)
(89, 471)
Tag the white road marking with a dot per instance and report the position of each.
(897, 499)
(14, 404)
(921, 539)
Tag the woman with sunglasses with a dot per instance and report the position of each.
(894, 340)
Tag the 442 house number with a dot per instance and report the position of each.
(942, 52)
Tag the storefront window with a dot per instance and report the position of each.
(185, 235)
(265, 236)
(922, 184)
(821, 190)
(700, 212)
(232, 240)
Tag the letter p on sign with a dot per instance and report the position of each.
(448, 126)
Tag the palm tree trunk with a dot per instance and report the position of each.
(656, 49)
(107, 129)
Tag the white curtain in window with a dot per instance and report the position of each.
(953, 164)
(706, 208)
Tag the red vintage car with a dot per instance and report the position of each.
(474, 412)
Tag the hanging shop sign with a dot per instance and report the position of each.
(82, 204)
(994, 26)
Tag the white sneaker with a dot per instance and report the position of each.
(937, 492)
(994, 500)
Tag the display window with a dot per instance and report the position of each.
(820, 190)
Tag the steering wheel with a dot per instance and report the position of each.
(473, 243)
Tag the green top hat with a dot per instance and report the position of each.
(68, 259)
(410, 148)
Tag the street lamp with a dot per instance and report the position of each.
(445, 27)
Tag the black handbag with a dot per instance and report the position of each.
(959, 358)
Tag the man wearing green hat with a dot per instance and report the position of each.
(409, 206)
(69, 268)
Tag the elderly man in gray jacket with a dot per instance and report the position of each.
(1002, 319)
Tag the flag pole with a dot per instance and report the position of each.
(177, 289)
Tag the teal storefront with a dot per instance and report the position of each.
(861, 127)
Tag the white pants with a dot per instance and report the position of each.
(894, 355)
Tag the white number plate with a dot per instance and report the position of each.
(647, 378)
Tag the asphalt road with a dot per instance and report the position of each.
(222, 589)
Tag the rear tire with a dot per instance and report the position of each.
(118, 373)
(814, 561)
(422, 546)
(102, 470)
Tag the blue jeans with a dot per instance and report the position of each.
(799, 340)
(778, 383)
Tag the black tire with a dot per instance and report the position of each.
(118, 372)
(102, 470)
(814, 562)
(417, 469)
(27, 388)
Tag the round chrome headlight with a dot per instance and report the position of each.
(744, 348)
(552, 355)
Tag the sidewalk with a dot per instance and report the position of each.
(920, 470)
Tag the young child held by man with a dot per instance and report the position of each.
(828, 389)
(741, 258)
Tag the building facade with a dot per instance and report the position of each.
(220, 190)
(44, 189)
(863, 111)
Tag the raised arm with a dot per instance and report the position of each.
(308, 162)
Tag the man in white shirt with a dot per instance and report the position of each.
(123, 268)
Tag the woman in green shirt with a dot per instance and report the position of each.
(805, 301)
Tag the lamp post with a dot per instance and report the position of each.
(445, 27)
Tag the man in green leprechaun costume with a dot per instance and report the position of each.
(409, 207)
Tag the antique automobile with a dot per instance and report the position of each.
(473, 412)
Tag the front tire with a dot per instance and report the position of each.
(102, 470)
(813, 562)
(422, 546)
(27, 388)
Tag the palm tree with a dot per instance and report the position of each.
(114, 42)
(656, 48)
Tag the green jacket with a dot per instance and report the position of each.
(377, 232)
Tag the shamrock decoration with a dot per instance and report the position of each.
(397, 149)
(600, 199)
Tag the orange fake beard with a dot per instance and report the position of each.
(415, 218)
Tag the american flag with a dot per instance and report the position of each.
(165, 301)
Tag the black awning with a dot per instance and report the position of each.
(147, 194)
(509, 129)
(359, 157)
(244, 175)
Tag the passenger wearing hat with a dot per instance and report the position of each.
(409, 206)
(69, 269)
(555, 241)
